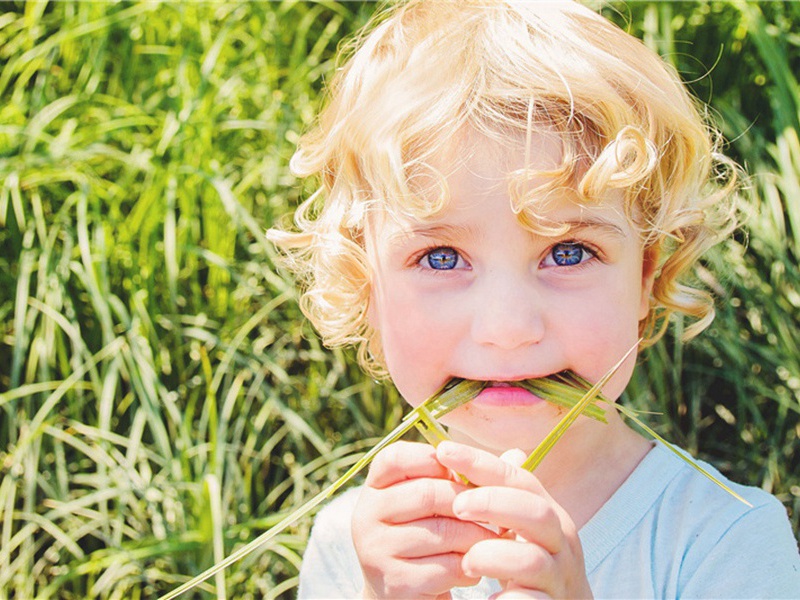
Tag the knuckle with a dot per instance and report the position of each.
(386, 464)
(510, 472)
(388, 458)
(397, 581)
(536, 560)
(398, 461)
(427, 496)
(481, 500)
(545, 512)
(444, 532)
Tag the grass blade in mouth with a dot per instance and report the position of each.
(452, 395)
(565, 389)
(580, 406)
(631, 414)
(568, 384)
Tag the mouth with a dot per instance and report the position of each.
(562, 389)
(506, 394)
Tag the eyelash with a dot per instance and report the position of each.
(426, 254)
(587, 254)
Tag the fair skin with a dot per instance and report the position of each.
(471, 293)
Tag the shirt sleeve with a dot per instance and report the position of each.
(330, 567)
(756, 557)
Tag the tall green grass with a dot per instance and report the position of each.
(733, 395)
(162, 401)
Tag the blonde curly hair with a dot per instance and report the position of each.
(423, 70)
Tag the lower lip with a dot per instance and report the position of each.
(506, 396)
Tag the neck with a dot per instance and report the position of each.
(590, 463)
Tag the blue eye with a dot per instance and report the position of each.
(442, 259)
(567, 254)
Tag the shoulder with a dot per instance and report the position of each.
(732, 549)
(330, 566)
(689, 538)
(332, 523)
(707, 509)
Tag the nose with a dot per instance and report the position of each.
(508, 313)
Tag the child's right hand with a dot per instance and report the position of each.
(408, 541)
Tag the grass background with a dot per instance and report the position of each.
(162, 400)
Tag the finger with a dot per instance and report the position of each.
(525, 565)
(428, 577)
(440, 572)
(432, 536)
(484, 468)
(531, 516)
(404, 460)
(514, 457)
(412, 500)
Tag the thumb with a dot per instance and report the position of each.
(514, 457)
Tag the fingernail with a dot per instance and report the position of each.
(446, 448)
(514, 457)
(465, 566)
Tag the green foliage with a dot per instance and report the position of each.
(162, 401)
(733, 395)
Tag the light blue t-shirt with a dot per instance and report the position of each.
(667, 532)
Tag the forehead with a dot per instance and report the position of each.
(472, 161)
(527, 168)
(473, 175)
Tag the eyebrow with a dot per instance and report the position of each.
(601, 224)
(450, 231)
(444, 230)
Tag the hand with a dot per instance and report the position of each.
(540, 555)
(408, 541)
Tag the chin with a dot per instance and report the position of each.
(499, 439)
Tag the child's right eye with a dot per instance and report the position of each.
(441, 259)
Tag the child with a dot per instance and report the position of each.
(510, 190)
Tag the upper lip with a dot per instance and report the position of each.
(509, 378)
(503, 381)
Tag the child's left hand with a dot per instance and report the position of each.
(541, 555)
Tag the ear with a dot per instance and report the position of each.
(650, 261)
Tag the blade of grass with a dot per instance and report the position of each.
(212, 489)
(434, 433)
(554, 390)
(448, 398)
(430, 428)
(560, 429)
(690, 461)
(632, 415)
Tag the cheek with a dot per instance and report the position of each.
(417, 338)
(596, 332)
(600, 308)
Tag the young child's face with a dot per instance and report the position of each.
(471, 293)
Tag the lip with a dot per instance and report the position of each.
(506, 394)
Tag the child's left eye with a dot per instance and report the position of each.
(567, 254)
(442, 259)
